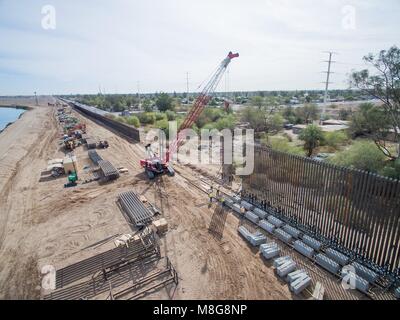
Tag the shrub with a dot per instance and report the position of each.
(147, 118)
(160, 116)
(226, 123)
(120, 119)
(171, 116)
(361, 155)
(283, 145)
(335, 139)
(288, 137)
(133, 121)
(392, 170)
(163, 125)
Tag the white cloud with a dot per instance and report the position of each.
(117, 43)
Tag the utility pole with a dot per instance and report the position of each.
(36, 99)
(187, 87)
(328, 74)
(138, 92)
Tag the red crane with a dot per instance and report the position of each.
(154, 165)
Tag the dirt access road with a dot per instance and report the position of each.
(43, 223)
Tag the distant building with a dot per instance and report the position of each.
(297, 129)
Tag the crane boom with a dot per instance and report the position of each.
(202, 100)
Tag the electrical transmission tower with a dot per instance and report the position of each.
(328, 75)
(187, 87)
(36, 99)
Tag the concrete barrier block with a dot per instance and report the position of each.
(257, 239)
(296, 275)
(397, 293)
(269, 250)
(311, 242)
(292, 231)
(248, 206)
(360, 283)
(260, 213)
(365, 273)
(237, 199)
(327, 263)
(340, 258)
(236, 208)
(282, 235)
(252, 217)
(286, 268)
(304, 249)
(299, 285)
(279, 261)
(275, 221)
(244, 232)
(265, 225)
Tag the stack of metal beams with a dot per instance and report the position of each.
(135, 209)
(109, 171)
(94, 156)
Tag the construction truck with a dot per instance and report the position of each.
(71, 168)
(72, 178)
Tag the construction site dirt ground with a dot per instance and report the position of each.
(43, 223)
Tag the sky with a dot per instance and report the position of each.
(123, 46)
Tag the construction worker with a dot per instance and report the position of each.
(222, 200)
(210, 195)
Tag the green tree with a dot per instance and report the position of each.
(361, 155)
(373, 122)
(290, 115)
(307, 114)
(312, 137)
(164, 102)
(257, 101)
(147, 105)
(274, 123)
(255, 117)
(383, 84)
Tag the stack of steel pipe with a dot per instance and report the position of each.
(93, 155)
(134, 208)
(108, 170)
